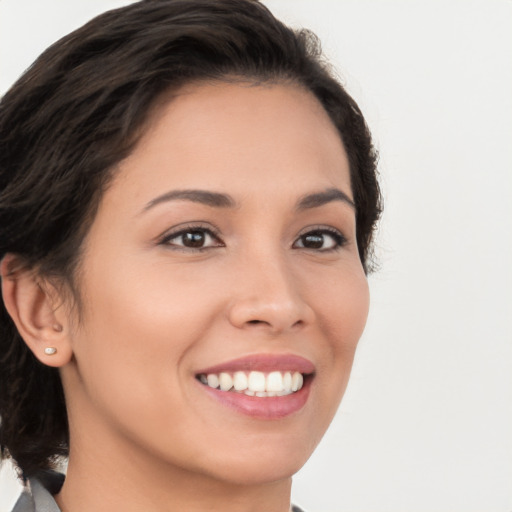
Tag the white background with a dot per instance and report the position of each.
(426, 425)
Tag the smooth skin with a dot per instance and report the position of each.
(172, 282)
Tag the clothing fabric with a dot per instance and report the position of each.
(37, 496)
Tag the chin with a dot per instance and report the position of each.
(259, 472)
(263, 462)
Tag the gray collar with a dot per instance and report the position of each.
(36, 496)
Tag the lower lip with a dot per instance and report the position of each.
(266, 408)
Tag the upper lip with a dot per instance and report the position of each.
(263, 363)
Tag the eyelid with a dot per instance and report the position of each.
(176, 231)
(337, 234)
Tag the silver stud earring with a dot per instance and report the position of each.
(49, 351)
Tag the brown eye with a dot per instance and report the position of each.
(320, 240)
(313, 241)
(192, 238)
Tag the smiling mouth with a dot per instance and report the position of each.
(255, 383)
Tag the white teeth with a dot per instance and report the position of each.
(255, 383)
(297, 381)
(225, 382)
(213, 380)
(275, 382)
(287, 381)
(240, 381)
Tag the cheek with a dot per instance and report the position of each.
(343, 309)
(342, 313)
(139, 322)
(129, 353)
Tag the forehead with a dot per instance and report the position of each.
(241, 137)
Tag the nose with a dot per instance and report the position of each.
(266, 295)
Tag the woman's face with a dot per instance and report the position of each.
(224, 250)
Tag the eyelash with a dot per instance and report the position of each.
(191, 228)
(338, 238)
(320, 231)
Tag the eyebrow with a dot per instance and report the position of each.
(326, 196)
(214, 199)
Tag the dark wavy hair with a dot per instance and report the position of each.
(81, 108)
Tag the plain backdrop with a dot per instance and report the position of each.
(426, 424)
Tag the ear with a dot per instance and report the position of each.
(36, 307)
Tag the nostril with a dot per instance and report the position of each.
(255, 322)
(274, 315)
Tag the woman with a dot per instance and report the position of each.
(187, 205)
